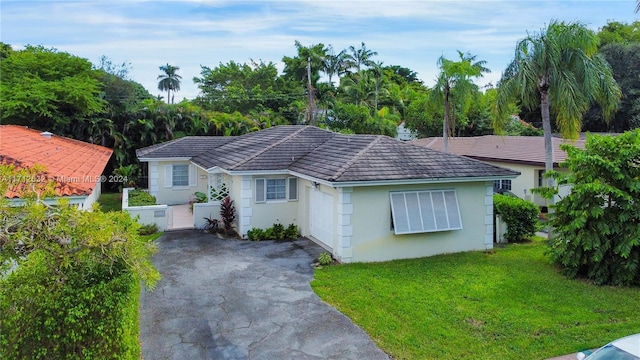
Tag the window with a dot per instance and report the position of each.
(540, 178)
(276, 189)
(501, 185)
(180, 175)
(425, 211)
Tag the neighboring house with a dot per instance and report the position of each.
(519, 153)
(74, 166)
(405, 134)
(362, 197)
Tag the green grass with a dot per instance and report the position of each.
(508, 304)
(151, 237)
(110, 202)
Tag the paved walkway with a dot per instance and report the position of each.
(230, 299)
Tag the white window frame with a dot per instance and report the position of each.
(192, 176)
(423, 211)
(504, 184)
(290, 190)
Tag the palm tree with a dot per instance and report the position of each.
(359, 57)
(169, 81)
(560, 70)
(455, 80)
(334, 64)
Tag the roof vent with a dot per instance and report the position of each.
(46, 134)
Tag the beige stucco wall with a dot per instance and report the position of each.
(175, 195)
(264, 215)
(374, 240)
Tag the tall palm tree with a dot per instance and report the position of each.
(455, 80)
(560, 70)
(360, 57)
(169, 81)
(334, 64)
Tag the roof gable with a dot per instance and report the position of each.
(332, 157)
(75, 166)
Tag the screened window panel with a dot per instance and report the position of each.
(399, 213)
(426, 207)
(453, 213)
(276, 189)
(180, 175)
(260, 196)
(425, 211)
(293, 188)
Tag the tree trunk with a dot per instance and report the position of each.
(445, 125)
(548, 148)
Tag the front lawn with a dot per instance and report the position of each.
(508, 304)
(110, 201)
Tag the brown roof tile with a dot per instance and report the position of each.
(516, 149)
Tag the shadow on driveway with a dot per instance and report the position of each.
(230, 299)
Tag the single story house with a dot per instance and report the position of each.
(74, 166)
(524, 154)
(362, 197)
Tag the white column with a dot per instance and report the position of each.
(488, 217)
(154, 175)
(344, 251)
(245, 210)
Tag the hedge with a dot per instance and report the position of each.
(520, 215)
(93, 315)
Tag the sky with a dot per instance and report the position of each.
(191, 33)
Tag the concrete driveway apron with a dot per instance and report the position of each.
(230, 299)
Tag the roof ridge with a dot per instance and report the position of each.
(288, 137)
(348, 164)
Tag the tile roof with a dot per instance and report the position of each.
(512, 149)
(73, 165)
(329, 156)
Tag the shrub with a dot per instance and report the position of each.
(520, 215)
(212, 225)
(93, 315)
(256, 234)
(141, 198)
(291, 232)
(228, 214)
(148, 229)
(197, 198)
(325, 259)
(597, 225)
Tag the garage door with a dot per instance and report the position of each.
(321, 217)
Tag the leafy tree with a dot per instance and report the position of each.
(598, 224)
(560, 70)
(625, 65)
(46, 89)
(334, 64)
(619, 33)
(453, 86)
(169, 80)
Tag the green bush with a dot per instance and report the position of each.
(256, 234)
(141, 198)
(291, 232)
(148, 229)
(325, 259)
(93, 315)
(520, 215)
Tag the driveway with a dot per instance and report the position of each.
(230, 299)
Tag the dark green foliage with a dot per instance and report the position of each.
(92, 315)
(520, 215)
(148, 229)
(256, 234)
(228, 214)
(597, 226)
(275, 232)
(291, 232)
(141, 198)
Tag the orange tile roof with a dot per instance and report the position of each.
(75, 166)
(513, 149)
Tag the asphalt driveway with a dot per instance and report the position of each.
(230, 299)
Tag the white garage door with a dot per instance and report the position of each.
(321, 217)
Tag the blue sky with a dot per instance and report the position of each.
(192, 33)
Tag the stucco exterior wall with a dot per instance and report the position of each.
(93, 197)
(160, 187)
(374, 240)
